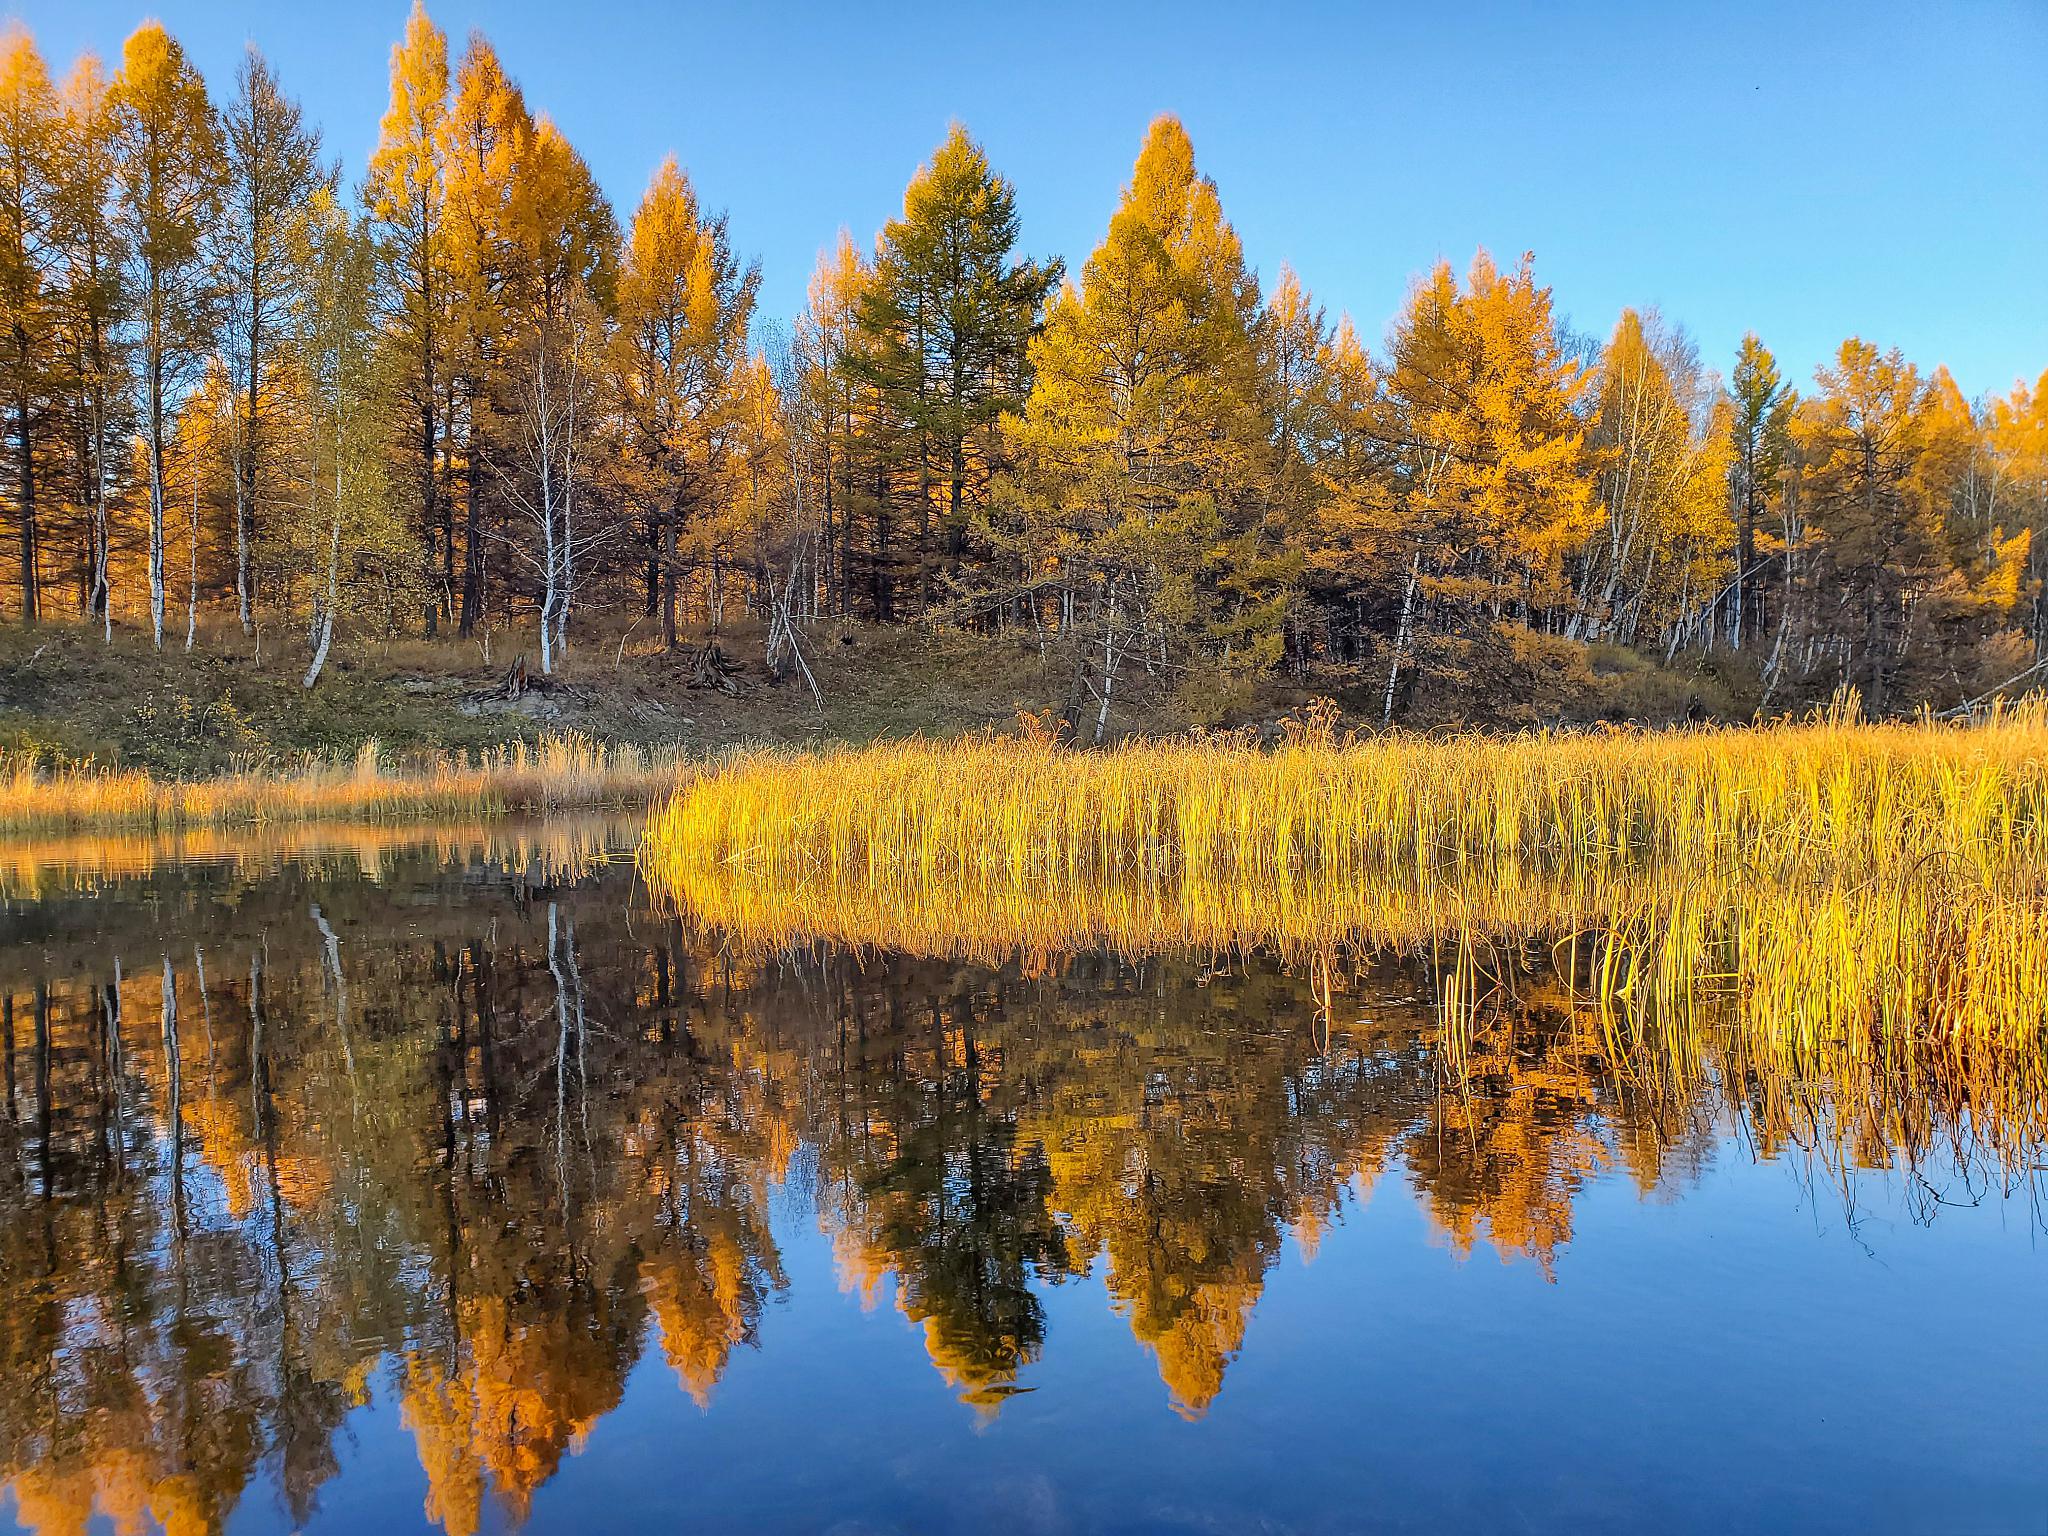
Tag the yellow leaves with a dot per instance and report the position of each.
(171, 153)
(1145, 372)
(27, 100)
(1661, 445)
(1484, 404)
(405, 168)
(29, 148)
(684, 308)
(1162, 178)
(2000, 586)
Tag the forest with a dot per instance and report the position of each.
(252, 402)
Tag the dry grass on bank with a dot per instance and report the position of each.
(1831, 792)
(559, 773)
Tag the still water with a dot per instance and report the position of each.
(449, 1184)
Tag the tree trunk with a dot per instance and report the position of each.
(245, 483)
(668, 577)
(324, 622)
(192, 590)
(1401, 635)
(25, 453)
(430, 492)
(156, 521)
(472, 537)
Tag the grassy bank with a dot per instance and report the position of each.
(557, 774)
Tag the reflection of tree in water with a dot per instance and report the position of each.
(483, 1143)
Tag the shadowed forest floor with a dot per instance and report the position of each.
(68, 697)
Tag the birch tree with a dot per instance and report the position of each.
(347, 512)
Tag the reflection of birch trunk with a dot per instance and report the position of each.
(175, 1110)
(339, 983)
(117, 1070)
(561, 1047)
(255, 1034)
(266, 1132)
(42, 1069)
(205, 1007)
(582, 1028)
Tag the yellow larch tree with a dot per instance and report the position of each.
(684, 305)
(1491, 478)
(170, 174)
(486, 139)
(29, 150)
(406, 192)
(1141, 450)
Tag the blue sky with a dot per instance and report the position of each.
(1807, 170)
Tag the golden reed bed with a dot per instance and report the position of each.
(1830, 881)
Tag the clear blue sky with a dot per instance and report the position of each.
(1808, 170)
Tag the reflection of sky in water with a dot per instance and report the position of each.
(1734, 1360)
(1541, 1299)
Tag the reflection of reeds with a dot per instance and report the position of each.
(557, 850)
(558, 773)
(1861, 885)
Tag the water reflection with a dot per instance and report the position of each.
(471, 1128)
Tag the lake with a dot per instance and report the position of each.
(455, 1180)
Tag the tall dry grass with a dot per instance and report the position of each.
(1830, 881)
(1832, 792)
(559, 773)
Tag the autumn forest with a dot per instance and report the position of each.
(249, 399)
(1044, 883)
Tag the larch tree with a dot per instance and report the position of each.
(406, 191)
(1299, 380)
(170, 170)
(1859, 439)
(2018, 432)
(1141, 438)
(1491, 475)
(684, 305)
(273, 171)
(29, 148)
(826, 390)
(488, 136)
(1352, 542)
(91, 300)
(1760, 435)
(565, 258)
